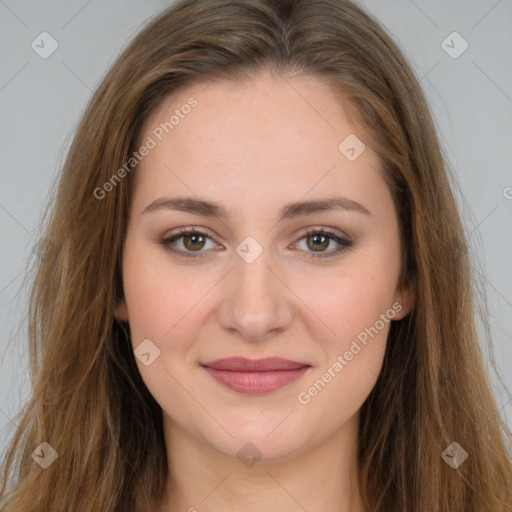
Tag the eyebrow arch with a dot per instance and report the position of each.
(289, 211)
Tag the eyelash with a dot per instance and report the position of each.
(344, 244)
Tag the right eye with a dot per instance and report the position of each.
(193, 241)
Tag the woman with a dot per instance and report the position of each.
(255, 291)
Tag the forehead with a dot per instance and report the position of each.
(268, 137)
(278, 107)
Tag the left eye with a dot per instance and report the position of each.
(321, 239)
(194, 241)
(316, 241)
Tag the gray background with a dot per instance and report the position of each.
(41, 101)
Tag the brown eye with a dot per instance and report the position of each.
(194, 241)
(318, 241)
(190, 243)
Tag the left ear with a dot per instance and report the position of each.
(404, 297)
(121, 312)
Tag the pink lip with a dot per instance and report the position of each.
(255, 376)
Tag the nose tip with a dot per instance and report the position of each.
(255, 303)
(255, 324)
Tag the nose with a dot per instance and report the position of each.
(256, 302)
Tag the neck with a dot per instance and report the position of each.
(202, 479)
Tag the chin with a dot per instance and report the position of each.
(259, 440)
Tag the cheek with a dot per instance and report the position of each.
(162, 308)
(357, 306)
(347, 301)
(160, 296)
(360, 314)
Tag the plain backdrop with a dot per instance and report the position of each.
(41, 100)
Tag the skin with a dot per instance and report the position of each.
(253, 148)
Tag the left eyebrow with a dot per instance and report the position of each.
(291, 210)
(321, 205)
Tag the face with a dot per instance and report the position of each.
(259, 275)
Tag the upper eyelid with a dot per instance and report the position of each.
(190, 230)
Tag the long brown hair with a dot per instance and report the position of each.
(88, 400)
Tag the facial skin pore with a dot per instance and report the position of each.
(254, 148)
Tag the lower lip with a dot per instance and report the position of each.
(255, 383)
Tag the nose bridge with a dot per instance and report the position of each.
(255, 302)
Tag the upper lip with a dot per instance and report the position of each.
(242, 364)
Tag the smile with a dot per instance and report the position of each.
(255, 377)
